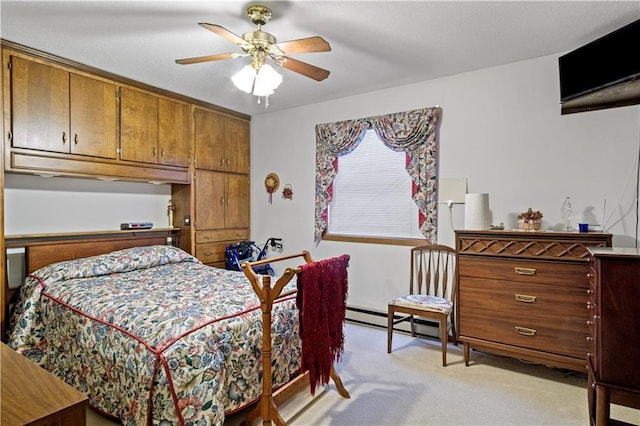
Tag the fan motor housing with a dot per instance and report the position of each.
(259, 14)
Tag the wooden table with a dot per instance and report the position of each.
(33, 396)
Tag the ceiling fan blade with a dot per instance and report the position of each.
(223, 32)
(304, 45)
(305, 69)
(208, 58)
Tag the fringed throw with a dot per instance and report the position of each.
(322, 302)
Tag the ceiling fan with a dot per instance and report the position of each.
(260, 45)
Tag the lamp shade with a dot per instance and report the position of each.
(267, 81)
(243, 79)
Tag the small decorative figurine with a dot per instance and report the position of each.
(287, 192)
(171, 208)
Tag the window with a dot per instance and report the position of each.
(372, 193)
(361, 166)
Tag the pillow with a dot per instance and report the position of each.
(125, 260)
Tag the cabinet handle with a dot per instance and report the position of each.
(590, 339)
(75, 139)
(154, 151)
(525, 271)
(207, 237)
(207, 253)
(227, 200)
(226, 162)
(526, 331)
(162, 152)
(64, 138)
(221, 161)
(222, 201)
(525, 298)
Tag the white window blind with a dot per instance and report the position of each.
(372, 193)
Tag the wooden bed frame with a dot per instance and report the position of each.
(42, 250)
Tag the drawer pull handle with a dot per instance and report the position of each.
(526, 331)
(525, 298)
(525, 271)
(207, 253)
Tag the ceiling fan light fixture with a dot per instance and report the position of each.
(244, 78)
(267, 81)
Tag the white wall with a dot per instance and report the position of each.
(501, 129)
(35, 204)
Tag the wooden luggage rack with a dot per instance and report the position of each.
(267, 407)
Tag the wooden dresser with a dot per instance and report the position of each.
(31, 395)
(614, 323)
(523, 294)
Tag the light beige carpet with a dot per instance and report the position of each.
(410, 387)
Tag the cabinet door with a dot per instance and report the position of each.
(209, 140)
(173, 133)
(39, 106)
(93, 117)
(237, 201)
(236, 145)
(210, 199)
(138, 126)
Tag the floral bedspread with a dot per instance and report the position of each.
(152, 335)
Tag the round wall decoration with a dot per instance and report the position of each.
(271, 183)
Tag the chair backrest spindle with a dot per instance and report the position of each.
(433, 271)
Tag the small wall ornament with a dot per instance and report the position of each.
(271, 183)
(287, 192)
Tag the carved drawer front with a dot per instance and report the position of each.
(211, 252)
(539, 246)
(545, 334)
(222, 235)
(525, 299)
(526, 271)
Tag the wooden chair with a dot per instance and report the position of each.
(432, 289)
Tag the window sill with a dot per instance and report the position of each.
(413, 242)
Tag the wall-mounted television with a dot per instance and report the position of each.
(602, 74)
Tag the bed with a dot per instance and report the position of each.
(153, 336)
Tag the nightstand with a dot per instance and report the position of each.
(32, 395)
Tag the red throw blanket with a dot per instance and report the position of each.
(322, 302)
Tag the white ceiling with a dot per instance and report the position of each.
(375, 44)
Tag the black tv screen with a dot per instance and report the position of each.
(604, 62)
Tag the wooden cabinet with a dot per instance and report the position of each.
(221, 213)
(63, 118)
(60, 111)
(614, 325)
(221, 142)
(222, 200)
(153, 129)
(33, 396)
(523, 294)
(218, 200)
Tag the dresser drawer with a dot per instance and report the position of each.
(523, 270)
(211, 252)
(545, 334)
(238, 234)
(517, 299)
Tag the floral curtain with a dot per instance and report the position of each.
(413, 132)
